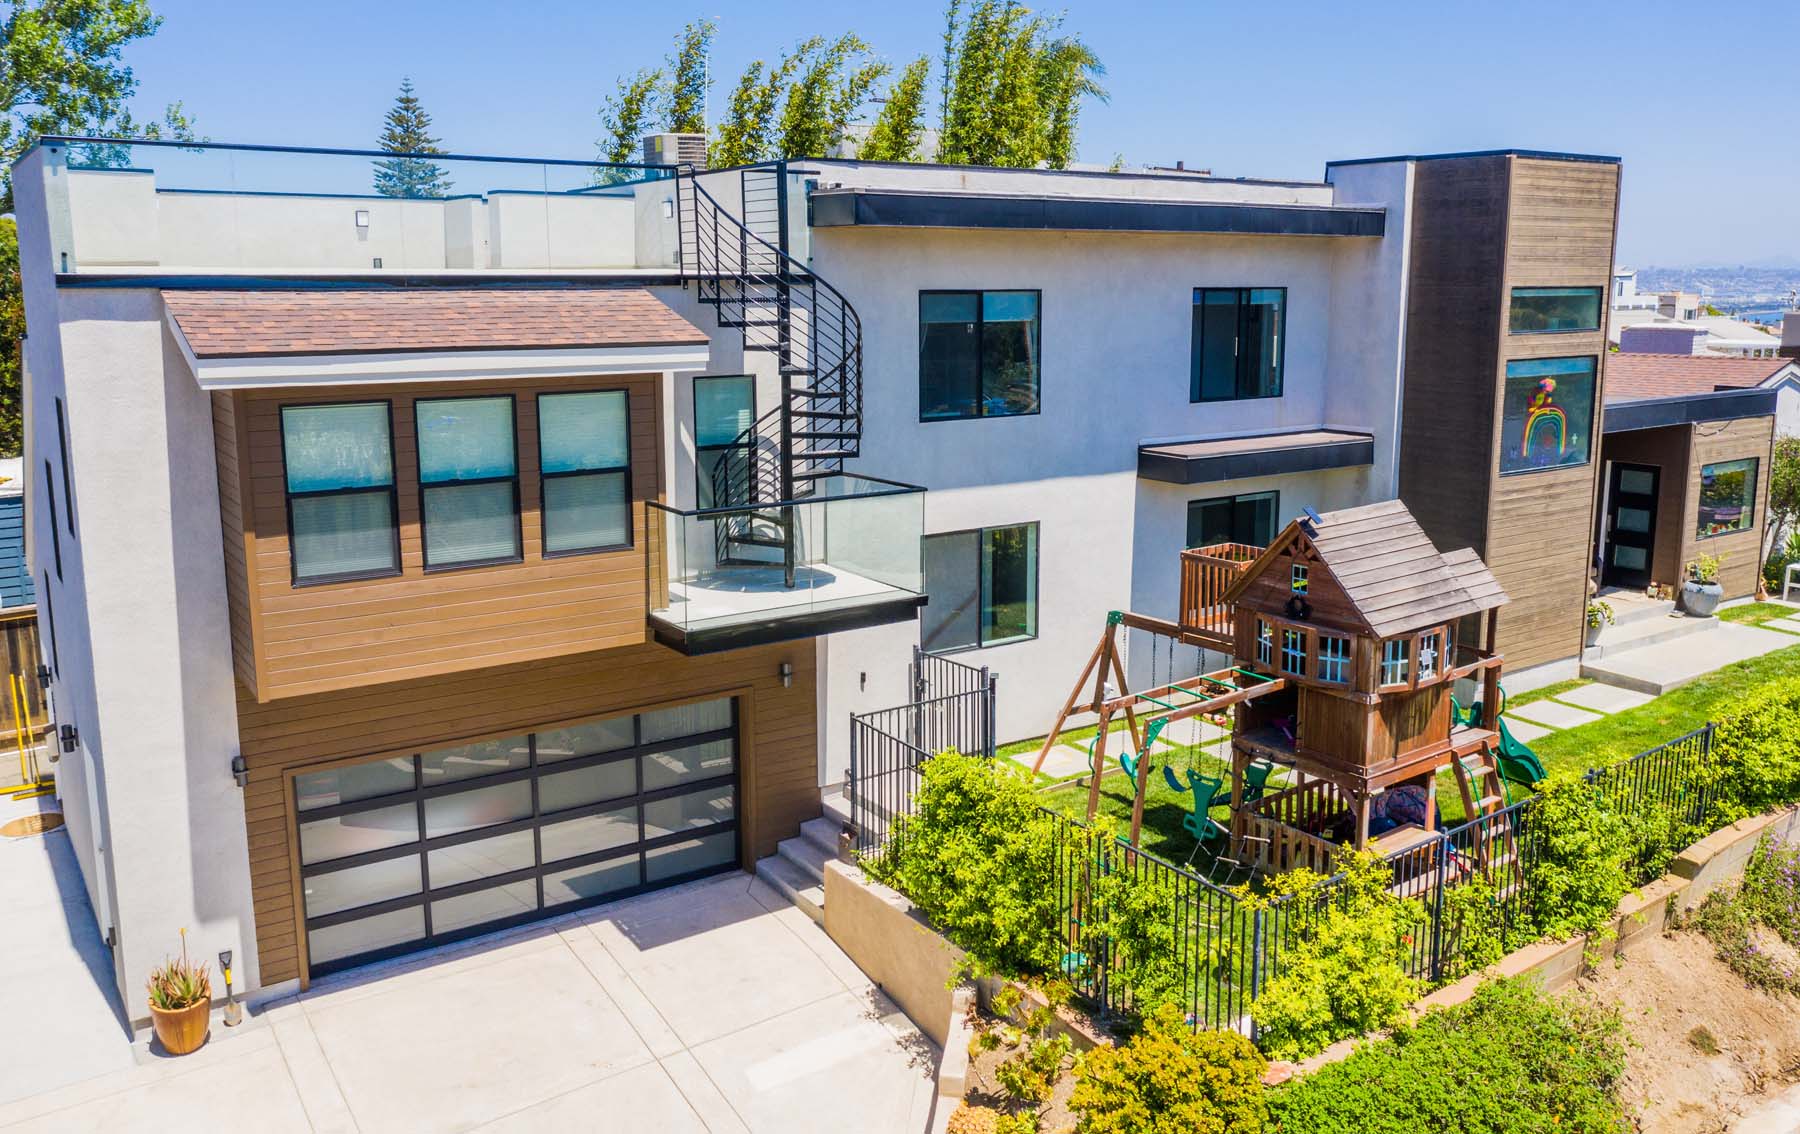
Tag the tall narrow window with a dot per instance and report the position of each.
(1430, 651)
(982, 587)
(978, 354)
(1265, 643)
(1249, 518)
(50, 615)
(1299, 583)
(584, 456)
(724, 409)
(50, 518)
(1396, 659)
(1239, 343)
(1334, 659)
(1293, 652)
(468, 481)
(339, 464)
(62, 444)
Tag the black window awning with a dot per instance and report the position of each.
(1267, 454)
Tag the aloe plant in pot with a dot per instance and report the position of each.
(1599, 617)
(1701, 593)
(180, 1002)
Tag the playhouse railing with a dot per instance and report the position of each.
(1206, 574)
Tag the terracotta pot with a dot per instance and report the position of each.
(181, 1030)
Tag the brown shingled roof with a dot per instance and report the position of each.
(1634, 377)
(231, 324)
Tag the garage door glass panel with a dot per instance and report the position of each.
(695, 762)
(572, 838)
(693, 854)
(482, 807)
(353, 783)
(471, 761)
(358, 833)
(493, 904)
(365, 885)
(365, 935)
(686, 720)
(483, 858)
(582, 786)
(686, 812)
(586, 740)
(586, 883)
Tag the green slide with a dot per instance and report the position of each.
(1517, 763)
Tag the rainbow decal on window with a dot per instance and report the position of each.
(1545, 412)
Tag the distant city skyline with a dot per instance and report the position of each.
(1242, 90)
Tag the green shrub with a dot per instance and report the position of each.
(1345, 974)
(1756, 755)
(1134, 919)
(1766, 897)
(1169, 1080)
(1584, 851)
(976, 858)
(1508, 1061)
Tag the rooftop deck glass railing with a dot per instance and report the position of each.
(203, 208)
(846, 557)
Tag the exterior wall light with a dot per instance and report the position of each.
(362, 218)
(668, 209)
(44, 676)
(70, 737)
(240, 771)
(787, 675)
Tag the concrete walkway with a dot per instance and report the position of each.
(715, 1006)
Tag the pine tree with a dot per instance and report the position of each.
(900, 126)
(408, 131)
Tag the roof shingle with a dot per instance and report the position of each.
(1635, 377)
(247, 324)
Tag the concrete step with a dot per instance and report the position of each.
(1632, 607)
(794, 883)
(1659, 667)
(824, 832)
(807, 855)
(1623, 636)
(837, 805)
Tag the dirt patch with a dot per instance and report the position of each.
(983, 1089)
(1705, 1046)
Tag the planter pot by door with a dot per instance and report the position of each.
(1593, 635)
(1701, 599)
(183, 1029)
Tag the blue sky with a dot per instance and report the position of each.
(1248, 88)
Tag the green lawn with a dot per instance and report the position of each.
(1555, 689)
(1757, 613)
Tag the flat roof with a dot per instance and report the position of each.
(250, 324)
(1682, 409)
(1263, 454)
(902, 208)
(1547, 155)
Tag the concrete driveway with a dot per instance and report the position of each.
(715, 1006)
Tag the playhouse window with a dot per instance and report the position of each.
(1293, 651)
(1265, 643)
(1299, 584)
(1395, 656)
(1334, 659)
(1547, 417)
(1429, 650)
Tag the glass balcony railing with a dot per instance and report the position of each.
(166, 208)
(841, 559)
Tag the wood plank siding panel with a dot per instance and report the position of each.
(239, 540)
(1453, 323)
(312, 639)
(778, 751)
(1561, 220)
(1667, 450)
(1715, 441)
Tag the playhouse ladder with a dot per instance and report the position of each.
(1496, 848)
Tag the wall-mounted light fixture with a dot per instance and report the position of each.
(668, 209)
(70, 738)
(362, 218)
(787, 675)
(240, 771)
(44, 676)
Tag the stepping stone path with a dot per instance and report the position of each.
(1554, 714)
(1604, 698)
(1581, 705)
(1791, 625)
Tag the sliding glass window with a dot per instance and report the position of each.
(724, 409)
(1727, 497)
(982, 587)
(978, 354)
(1239, 343)
(1249, 518)
(468, 481)
(1539, 310)
(339, 462)
(584, 456)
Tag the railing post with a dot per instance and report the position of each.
(990, 699)
(1256, 965)
(856, 822)
(1437, 910)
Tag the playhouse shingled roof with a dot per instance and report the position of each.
(1391, 572)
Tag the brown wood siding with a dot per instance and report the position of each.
(778, 750)
(1667, 450)
(227, 414)
(1715, 441)
(1561, 221)
(1270, 589)
(319, 638)
(1454, 306)
(1406, 722)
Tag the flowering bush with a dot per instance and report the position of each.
(1765, 903)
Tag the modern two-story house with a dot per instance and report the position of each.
(418, 565)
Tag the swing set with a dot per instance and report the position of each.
(1148, 714)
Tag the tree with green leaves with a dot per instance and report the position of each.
(1784, 492)
(746, 132)
(1014, 87)
(408, 131)
(626, 116)
(12, 330)
(833, 79)
(900, 126)
(686, 95)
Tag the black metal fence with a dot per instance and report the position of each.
(1670, 778)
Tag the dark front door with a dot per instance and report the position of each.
(1630, 525)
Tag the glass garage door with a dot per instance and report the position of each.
(417, 850)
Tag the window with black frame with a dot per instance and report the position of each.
(1248, 518)
(584, 459)
(1239, 343)
(339, 475)
(978, 354)
(982, 587)
(724, 409)
(468, 481)
(1543, 310)
(1727, 497)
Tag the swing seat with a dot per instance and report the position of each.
(1198, 822)
(1256, 779)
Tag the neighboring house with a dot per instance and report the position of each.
(1685, 467)
(15, 573)
(1685, 373)
(484, 556)
(1625, 295)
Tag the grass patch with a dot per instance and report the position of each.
(1163, 835)
(1547, 692)
(1674, 713)
(1757, 613)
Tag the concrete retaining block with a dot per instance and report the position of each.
(891, 943)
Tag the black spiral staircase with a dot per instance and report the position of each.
(741, 268)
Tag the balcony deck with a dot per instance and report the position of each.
(1206, 574)
(742, 605)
